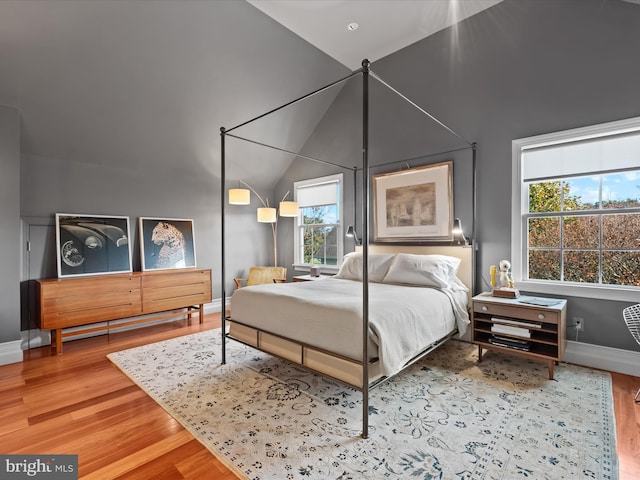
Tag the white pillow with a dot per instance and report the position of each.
(351, 268)
(457, 286)
(424, 270)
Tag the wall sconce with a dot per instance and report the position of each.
(351, 233)
(458, 233)
(265, 214)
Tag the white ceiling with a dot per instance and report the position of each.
(385, 26)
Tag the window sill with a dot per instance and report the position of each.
(622, 294)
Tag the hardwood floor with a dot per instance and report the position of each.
(627, 424)
(80, 403)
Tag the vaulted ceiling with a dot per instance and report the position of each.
(350, 31)
(147, 85)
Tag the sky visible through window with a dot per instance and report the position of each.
(615, 187)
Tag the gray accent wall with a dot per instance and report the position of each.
(9, 226)
(120, 105)
(518, 69)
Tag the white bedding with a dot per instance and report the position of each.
(327, 314)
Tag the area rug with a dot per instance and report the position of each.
(446, 417)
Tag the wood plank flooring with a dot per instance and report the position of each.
(80, 403)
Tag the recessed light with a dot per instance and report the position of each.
(352, 26)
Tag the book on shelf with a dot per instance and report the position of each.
(516, 323)
(509, 330)
(512, 340)
(509, 344)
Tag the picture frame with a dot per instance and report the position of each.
(414, 205)
(167, 243)
(92, 244)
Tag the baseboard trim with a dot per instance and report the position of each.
(10, 352)
(604, 358)
(35, 338)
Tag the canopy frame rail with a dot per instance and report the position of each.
(299, 155)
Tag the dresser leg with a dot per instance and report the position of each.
(201, 313)
(551, 364)
(479, 353)
(56, 340)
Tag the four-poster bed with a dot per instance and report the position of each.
(366, 321)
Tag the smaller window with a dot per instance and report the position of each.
(319, 225)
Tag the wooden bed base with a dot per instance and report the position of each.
(328, 364)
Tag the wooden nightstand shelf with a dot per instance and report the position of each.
(540, 334)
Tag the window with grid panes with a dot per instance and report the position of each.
(319, 225)
(576, 219)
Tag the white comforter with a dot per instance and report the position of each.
(327, 314)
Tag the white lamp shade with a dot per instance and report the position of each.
(266, 215)
(239, 196)
(288, 209)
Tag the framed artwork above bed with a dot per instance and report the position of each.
(414, 205)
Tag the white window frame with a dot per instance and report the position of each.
(520, 203)
(298, 264)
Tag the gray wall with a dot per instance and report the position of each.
(521, 68)
(120, 105)
(128, 123)
(9, 224)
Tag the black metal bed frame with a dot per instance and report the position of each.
(366, 73)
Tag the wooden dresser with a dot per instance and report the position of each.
(83, 301)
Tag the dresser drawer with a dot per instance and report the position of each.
(162, 280)
(87, 286)
(518, 312)
(176, 290)
(90, 314)
(150, 305)
(97, 300)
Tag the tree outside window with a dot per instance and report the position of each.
(585, 229)
(319, 234)
(318, 227)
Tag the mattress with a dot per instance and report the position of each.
(327, 314)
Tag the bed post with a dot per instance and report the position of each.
(222, 273)
(365, 248)
(474, 244)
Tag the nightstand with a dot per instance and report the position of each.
(511, 326)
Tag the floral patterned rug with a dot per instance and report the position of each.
(446, 417)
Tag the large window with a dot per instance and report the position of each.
(576, 219)
(318, 227)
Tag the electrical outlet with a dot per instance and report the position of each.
(579, 323)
